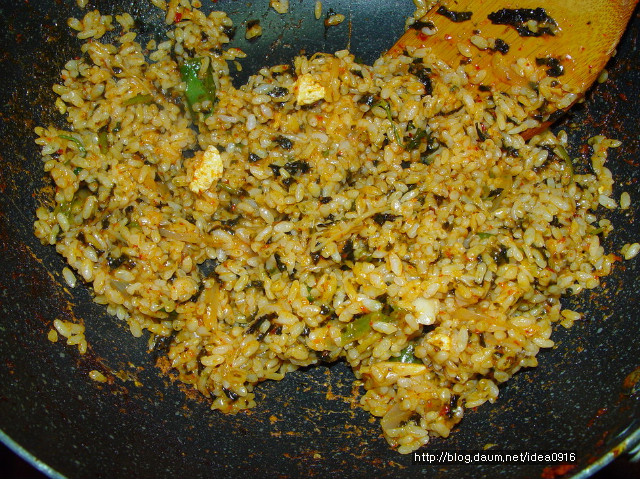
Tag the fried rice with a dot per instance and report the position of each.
(327, 210)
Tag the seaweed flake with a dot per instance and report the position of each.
(480, 130)
(457, 17)
(500, 256)
(419, 25)
(115, 263)
(276, 329)
(422, 74)
(253, 327)
(382, 218)
(257, 284)
(511, 151)
(295, 167)
(368, 99)
(518, 18)
(230, 32)
(281, 266)
(278, 92)
(555, 67)
(494, 193)
(231, 222)
(161, 344)
(347, 252)
(450, 112)
(275, 168)
(230, 394)
(284, 142)
(555, 222)
(453, 404)
(501, 46)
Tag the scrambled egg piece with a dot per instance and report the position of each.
(426, 310)
(208, 169)
(309, 91)
(441, 341)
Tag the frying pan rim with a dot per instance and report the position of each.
(32, 460)
(625, 446)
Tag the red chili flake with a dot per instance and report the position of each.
(178, 17)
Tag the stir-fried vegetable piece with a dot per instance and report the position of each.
(385, 106)
(414, 142)
(103, 142)
(139, 99)
(407, 355)
(562, 153)
(198, 90)
(78, 143)
(485, 235)
(231, 190)
(361, 326)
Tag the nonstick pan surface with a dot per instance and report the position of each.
(583, 397)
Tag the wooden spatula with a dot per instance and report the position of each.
(570, 39)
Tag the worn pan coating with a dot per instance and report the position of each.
(583, 397)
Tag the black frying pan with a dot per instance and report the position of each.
(583, 397)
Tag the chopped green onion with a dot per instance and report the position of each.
(78, 143)
(485, 235)
(103, 142)
(407, 356)
(64, 208)
(562, 153)
(385, 106)
(359, 327)
(310, 297)
(139, 99)
(415, 141)
(231, 190)
(77, 170)
(427, 160)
